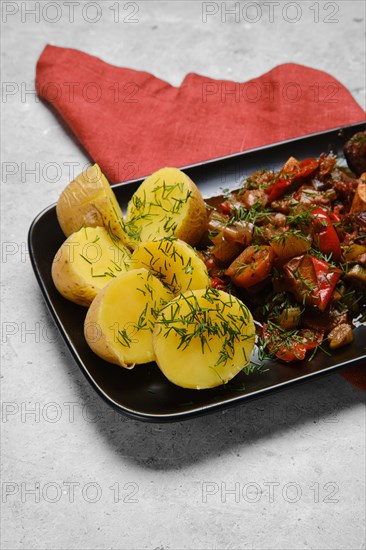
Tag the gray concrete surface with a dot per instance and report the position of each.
(296, 460)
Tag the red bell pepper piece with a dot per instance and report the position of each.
(311, 280)
(335, 217)
(325, 235)
(307, 167)
(292, 345)
(252, 266)
(278, 188)
(215, 282)
(292, 171)
(226, 208)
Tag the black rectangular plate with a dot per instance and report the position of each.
(143, 392)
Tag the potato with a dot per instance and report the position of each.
(288, 245)
(350, 252)
(167, 203)
(340, 336)
(120, 321)
(356, 274)
(86, 262)
(289, 318)
(174, 262)
(88, 201)
(203, 338)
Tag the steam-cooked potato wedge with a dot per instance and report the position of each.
(174, 262)
(167, 203)
(120, 321)
(203, 338)
(88, 201)
(86, 262)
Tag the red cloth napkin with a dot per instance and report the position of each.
(133, 123)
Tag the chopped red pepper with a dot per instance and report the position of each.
(292, 345)
(325, 235)
(278, 188)
(335, 217)
(210, 263)
(307, 167)
(226, 208)
(292, 171)
(252, 266)
(213, 269)
(311, 280)
(215, 282)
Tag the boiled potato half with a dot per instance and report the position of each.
(88, 201)
(174, 262)
(86, 262)
(167, 203)
(203, 338)
(120, 321)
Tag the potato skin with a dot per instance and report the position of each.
(96, 338)
(88, 201)
(194, 224)
(173, 206)
(73, 289)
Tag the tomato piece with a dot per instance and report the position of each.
(311, 280)
(291, 345)
(326, 236)
(252, 266)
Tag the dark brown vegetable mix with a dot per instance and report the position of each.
(355, 153)
(292, 245)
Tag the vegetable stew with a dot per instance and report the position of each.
(292, 245)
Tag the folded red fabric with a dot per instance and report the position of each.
(133, 123)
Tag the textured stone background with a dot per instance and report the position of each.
(311, 436)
